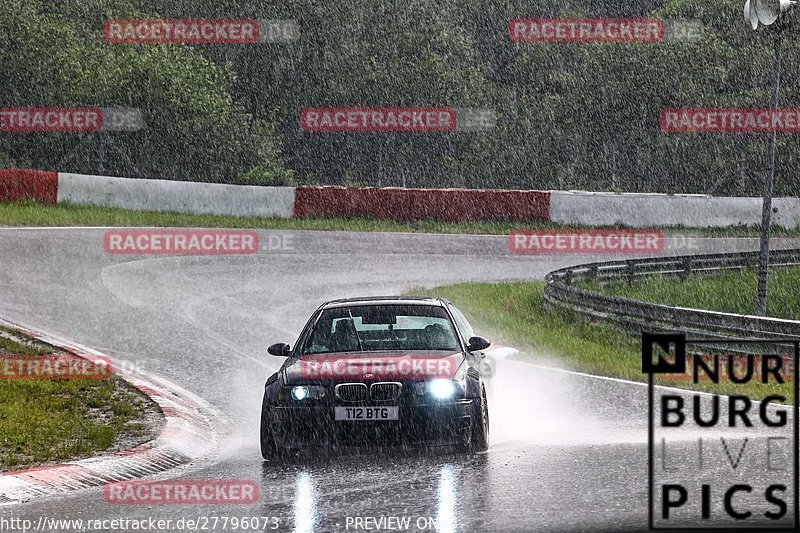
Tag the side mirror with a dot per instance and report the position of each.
(477, 344)
(281, 349)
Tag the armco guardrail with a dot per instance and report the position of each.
(637, 316)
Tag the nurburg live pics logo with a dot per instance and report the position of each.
(719, 461)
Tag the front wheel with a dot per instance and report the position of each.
(479, 441)
(269, 450)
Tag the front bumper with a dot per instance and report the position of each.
(432, 424)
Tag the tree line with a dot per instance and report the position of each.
(568, 115)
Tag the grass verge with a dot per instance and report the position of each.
(35, 214)
(515, 314)
(730, 292)
(52, 420)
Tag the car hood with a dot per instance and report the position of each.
(372, 366)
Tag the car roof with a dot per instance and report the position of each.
(385, 300)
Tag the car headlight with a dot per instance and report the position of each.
(442, 389)
(303, 392)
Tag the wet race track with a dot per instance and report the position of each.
(568, 452)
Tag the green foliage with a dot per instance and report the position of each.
(269, 168)
(6, 161)
(568, 115)
(729, 292)
(267, 174)
(45, 420)
(195, 129)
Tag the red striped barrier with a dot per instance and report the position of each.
(451, 205)
(18, 184)
(567, 208)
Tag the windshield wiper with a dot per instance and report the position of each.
(353, 323)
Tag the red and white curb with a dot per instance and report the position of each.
(188, 435)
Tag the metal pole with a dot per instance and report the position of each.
(380, 162)
(614, 165)
(769, 176)
(101, 153)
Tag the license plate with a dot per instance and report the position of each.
(367, 413)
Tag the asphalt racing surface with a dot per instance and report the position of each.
(568, 452)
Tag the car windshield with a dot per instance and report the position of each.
(381, 328)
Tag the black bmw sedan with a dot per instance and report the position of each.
(383, 371)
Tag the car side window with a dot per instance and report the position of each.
(462, 324)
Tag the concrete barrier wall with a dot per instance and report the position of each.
(581, 208)
(571, 208)
(176, 196)
(18, 184)
(452, 205)
(785, 212)
(645, 210)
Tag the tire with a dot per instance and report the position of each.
(269, 450)
(479, 442)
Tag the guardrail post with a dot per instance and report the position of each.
(593, 272)
(631, 272)
(687, 267)
(568, 277)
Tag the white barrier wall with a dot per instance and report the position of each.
(176, 196)
(788, 212)
(649, 210)
(573, 208)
